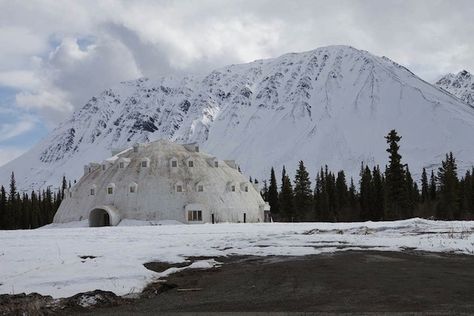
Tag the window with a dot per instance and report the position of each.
(92, 191)
(132, 189)
(200, 188)
(144, 164)
(179, 188)
(103, 167)
(216, 164)
(190, 163)
(110, 190)
(246, 188)
(121, 165)
(232, 188)
(194, 216)
(174, 163)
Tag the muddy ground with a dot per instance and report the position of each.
(344, 282)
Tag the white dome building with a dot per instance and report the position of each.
(162, 181)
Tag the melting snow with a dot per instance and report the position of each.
(48, 261)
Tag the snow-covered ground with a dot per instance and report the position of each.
(65, 261)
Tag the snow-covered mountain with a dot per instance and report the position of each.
(460, 85)
(332, 105)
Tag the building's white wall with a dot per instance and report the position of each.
(155, 197)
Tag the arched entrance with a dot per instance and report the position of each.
(99, 217)
(105, 215)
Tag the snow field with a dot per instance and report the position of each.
(64, 261)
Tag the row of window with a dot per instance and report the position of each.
(178, 188)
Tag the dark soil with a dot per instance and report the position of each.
(344, 282)
(351, 282)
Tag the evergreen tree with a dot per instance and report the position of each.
(302, 193)
(341, 194)
(412, 194)
(273, 195)
(264, 192)
(432, 186)
(3, 209)
(396, 189)
(425, 190)
(286, 197)
(377, 195)
(353, 199)
(365, 193)
(448, 207)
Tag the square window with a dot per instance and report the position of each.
(144, 164)
(200, 188)
(179, 188)
(174, 164)
(194, 216)
(190, 163)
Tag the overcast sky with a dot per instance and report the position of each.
(54, 55)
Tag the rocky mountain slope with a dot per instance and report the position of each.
(332, 105)
(460, 85)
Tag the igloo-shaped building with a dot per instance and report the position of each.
(162, 181)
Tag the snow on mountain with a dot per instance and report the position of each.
(460, 85)
(332, 105)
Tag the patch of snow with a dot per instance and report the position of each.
(51, 261)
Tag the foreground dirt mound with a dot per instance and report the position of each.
(36, 304)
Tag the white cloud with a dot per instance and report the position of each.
(11, 130)
(44, 54)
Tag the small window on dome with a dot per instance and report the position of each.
(190, 163)
(92, 191)
(246, 188)
(174, 163)
(121, 165)
(216, 164)
(232, 188)
(110, 190)
(144, 164)
(200, 188)
(132, 189)
(179, 188)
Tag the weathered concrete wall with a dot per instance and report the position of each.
(155, 196)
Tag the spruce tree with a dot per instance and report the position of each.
(412, 194)
(286, 197)
(424, 187)
(3, 209)
(302, 193)
(448, 207)
(341, 194)
(396, 189)
(365, 193)
(433, 189)
(273, 195)
(377, 195)
(353, 199)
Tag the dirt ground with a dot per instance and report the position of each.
(344, 282)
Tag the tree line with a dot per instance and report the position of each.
(391, 194)
(26, 211)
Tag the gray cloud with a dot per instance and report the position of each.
(57, 54)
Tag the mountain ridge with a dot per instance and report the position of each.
(332, 105)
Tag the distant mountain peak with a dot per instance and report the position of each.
(460, 85)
